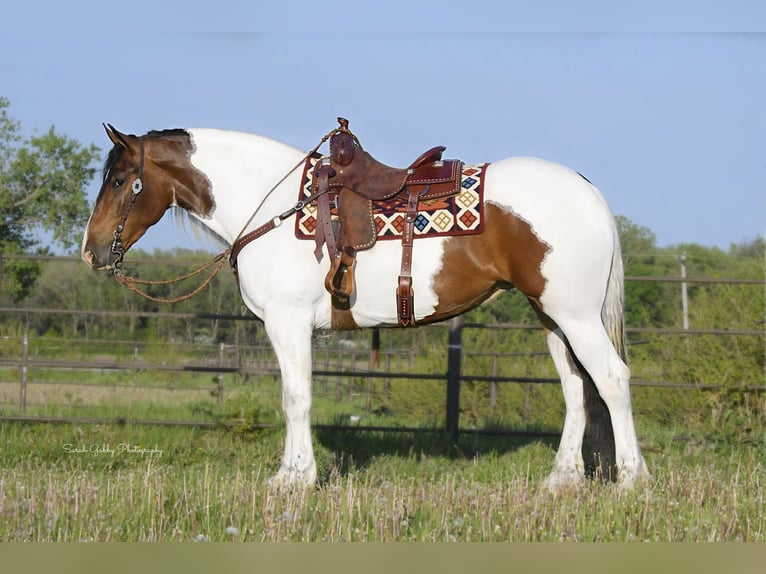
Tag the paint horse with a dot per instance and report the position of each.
(547, 231)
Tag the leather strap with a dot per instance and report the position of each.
(243, 240)
(136, 187)
(324, 232)
(247, 238)
(405, 296)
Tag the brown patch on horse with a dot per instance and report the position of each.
(171, 151)
(507, 254)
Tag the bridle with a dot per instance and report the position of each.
(136, 187)
(118, 249)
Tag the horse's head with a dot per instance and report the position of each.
(143, 177)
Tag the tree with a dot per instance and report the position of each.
(647, 304)
(42, 180)
(42, 188)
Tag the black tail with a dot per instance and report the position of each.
(599, 433)
(599, 456)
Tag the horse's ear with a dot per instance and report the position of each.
(117, 137)
(112, 133)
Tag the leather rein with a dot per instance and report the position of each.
(231, 253)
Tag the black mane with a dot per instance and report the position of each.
(174, 132)
(111, 159)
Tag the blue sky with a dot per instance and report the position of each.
(660, 104)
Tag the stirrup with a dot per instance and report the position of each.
(340, 279)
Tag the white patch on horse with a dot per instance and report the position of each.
(377, 277)
(544, 194)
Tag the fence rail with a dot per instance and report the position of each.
(181, 315)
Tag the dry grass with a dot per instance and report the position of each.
(212, 487)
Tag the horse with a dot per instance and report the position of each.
(548, 232)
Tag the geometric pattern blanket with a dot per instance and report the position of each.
(459, 214)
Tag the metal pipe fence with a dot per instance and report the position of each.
(44, 374)
(217, 371)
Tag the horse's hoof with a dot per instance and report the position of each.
(560, 480)
(287, 478)
(630, 480)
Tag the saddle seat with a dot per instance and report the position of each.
(358, 171)
(357, 181)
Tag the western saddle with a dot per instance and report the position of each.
(358, 181)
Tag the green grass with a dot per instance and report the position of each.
(211, 485)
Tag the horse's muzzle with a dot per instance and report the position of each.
(100, 259)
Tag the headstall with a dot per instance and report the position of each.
(136, 187)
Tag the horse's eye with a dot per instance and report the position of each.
(117, 182)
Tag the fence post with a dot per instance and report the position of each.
(219, 378)
(24, 361)
(454, 352)
(493, 386)
(684, 296)
(375, 349)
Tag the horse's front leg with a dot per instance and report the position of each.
(290, 334)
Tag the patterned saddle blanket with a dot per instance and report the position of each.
(458, 214)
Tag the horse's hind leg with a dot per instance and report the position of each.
(568, 467)
(595, 352)
(290, 335)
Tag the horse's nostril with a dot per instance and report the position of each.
(87, 256)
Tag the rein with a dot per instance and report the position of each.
(131, 282)
(231, 252)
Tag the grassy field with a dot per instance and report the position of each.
(130, 483)
(70, 482)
